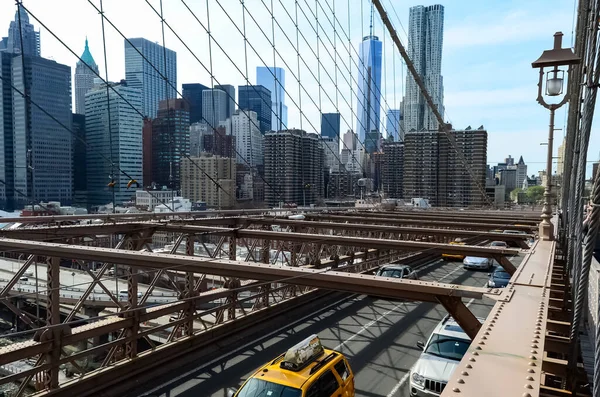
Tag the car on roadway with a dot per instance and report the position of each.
(123, 294)
(477, 263)
(397, 271)
(441, 355)
(499, 244)
(306, 369)
(499, 278)
(457, 241)
(517, 232)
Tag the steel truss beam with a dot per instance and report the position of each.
(458, 216)
(372, 285)
(433, 223)
(518, 238)
(54, 219)
(373, 243)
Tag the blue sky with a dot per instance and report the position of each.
(488, 49)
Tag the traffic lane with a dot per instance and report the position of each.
(196, 379)
(239, 366)
(348, 322)
(383, 357)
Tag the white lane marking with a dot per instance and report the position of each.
(245, 346)
(406, 375)
(367, 326)
(384, 315)
(449, 274)
(399, 384)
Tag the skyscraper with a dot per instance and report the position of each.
(393, 168)
(84, 78)
(79, 160)
(248, 138)
(170, 142)
(31, 38)
(393, 125)
(209, 178)
(258, 99)
(6, 133)
(214, 107)
(425, 40)
(121, 143)
(192, 93)
(368, 93)
(293, 167)
(143, 75)
(433, 170)
(42, 148)
(521, 172)
(230, 91)
(330, 126)
(274, 80)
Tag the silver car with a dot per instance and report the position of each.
(397, 271)
(441, 355)
(478, 263)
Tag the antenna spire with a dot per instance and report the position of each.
(371, 26)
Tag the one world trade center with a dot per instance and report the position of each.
(368, 94)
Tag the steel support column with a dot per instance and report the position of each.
(52, 319)
(188, 326)
(461, 313)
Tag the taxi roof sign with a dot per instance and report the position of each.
(302, 354)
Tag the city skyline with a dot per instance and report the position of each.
(477, 101)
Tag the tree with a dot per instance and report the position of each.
(514, 194)
(535, 193)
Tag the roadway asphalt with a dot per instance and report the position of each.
(379, 337)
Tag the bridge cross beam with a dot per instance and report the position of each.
(461, 313)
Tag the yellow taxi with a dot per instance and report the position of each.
(305, 370)
(446, 257)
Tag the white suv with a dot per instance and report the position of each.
(443, 351)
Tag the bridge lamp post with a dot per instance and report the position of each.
(553, 60)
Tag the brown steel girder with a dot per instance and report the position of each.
(415, 290)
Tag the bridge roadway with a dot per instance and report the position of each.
(379, 337)
(74, 282)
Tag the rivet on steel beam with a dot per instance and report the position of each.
(486, 333)
(481, 342)
(532, 358)
(472, 360)
(484, 337)
(528, 386)
(526, 395)
(469, 366)
(475, 353)
(460, 381)
(531, 371)
(493, 321)
(456, 390)
(532, 364)
(538, 328)
(537, 332)
(529, 378)
(534, 346)
(534, 351)
(537, 337)
(464, 373)
(478, 348)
